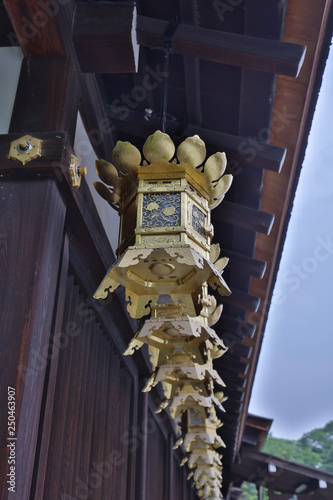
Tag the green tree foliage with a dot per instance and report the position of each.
(320, 442)
(315, 449)
(250, 492)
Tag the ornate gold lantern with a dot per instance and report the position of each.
(166, 261)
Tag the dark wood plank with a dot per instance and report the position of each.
(99, 451)
(75, 372)
(88, 410)
(46, 104)
(245, 264)
(225, 48)
(59, 411)
(274, 13)
(7, 35)
(97, 29)
(110, 424)
(242, 350)
(99, 127)
(242, 299)
(32, 222)
(50, 384)
(79, 432)
(243, 150)
(242, 216)
(235, 327)
(231, 378)
(235, 406)
(42, 28)
(58, 448)
(233, 364)
(234, 394)
(54, 158)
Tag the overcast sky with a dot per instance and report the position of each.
(294, 380)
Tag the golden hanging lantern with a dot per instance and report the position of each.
(166, 261)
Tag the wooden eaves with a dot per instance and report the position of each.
(63, 48)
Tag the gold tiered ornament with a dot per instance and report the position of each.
(166, 261)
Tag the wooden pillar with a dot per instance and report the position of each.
(31, 246)
(47, 97)
(31, 227)
(260, 492)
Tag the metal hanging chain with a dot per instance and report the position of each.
(168, 49)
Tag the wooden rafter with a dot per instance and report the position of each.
(242, 150)
(225, 48)
(52, 39)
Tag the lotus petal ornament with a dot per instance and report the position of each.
(127, 158)
(215, 167)
(159, 146)
(192, 151)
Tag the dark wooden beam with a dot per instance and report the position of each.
(242, 350)
(248, 218)
(241, 299)
(99, 127)
(46, 104)
(243, 151)
(229, 363)
(234, 327)
(232, 379)
(235, 406)
(44, 30)
(100, 28)
(234, 394)
(188, 15)
(7, 35)
(225, 48)
(245, 264)
(259, 459)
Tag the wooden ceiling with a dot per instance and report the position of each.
(232, 80)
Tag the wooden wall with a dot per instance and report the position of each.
(84, 429)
